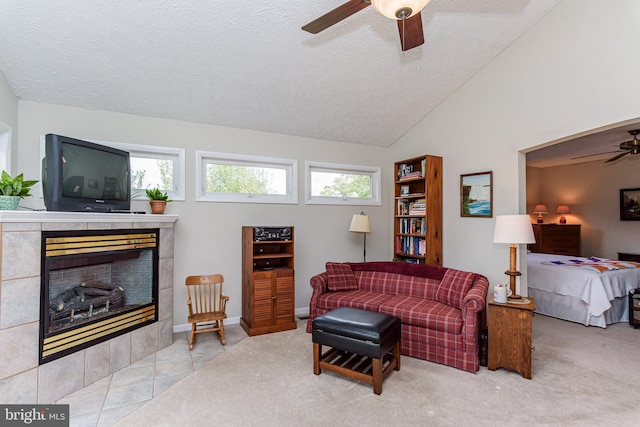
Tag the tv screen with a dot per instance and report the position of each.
(82, 176)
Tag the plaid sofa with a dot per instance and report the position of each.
(439, 307)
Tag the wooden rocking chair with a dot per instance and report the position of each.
(207, 305)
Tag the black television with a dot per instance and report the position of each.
(82, 176)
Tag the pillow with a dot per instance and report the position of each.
(454, 287)
(340, 277)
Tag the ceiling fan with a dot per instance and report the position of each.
(406, 12)
(629, 147)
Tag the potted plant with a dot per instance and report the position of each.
(13, 189)
(157, 200)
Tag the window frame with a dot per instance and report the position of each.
(289, 165)
(159, 153)
(376, 182)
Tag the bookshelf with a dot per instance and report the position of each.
(418, 210)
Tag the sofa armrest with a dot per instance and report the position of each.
(473, 303)
(319, 285)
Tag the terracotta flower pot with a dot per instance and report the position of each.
(157, 206)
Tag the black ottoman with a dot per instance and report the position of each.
(365, 345)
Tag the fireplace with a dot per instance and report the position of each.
(95, 285)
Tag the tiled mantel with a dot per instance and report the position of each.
(22, 381)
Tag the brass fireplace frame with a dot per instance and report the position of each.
(82, 244)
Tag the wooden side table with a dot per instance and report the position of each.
(510, 327)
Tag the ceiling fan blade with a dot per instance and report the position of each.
(596, 154)
(336, 15)
(411, 33)
(613, 159)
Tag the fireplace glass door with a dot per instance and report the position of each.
(96, 285)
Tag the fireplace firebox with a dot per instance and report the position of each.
(95, 285)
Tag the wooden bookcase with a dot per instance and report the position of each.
(417, 222)
(268, 283)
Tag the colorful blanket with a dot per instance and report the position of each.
(599, 265)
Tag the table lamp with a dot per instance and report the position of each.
(360, 224)
(563, 210)
(513, 229)
(540, 210)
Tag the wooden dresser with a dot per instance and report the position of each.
(560, 239)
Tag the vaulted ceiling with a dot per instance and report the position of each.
(249, 65)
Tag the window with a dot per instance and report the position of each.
(225, 177)
(152, 166)
(336, 184)
(5, 148)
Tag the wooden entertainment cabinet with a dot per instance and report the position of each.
(268, 281)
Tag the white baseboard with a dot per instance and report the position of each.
(235, 320)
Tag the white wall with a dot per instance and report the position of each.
(592, 190)
(573, 71)
(207, 235)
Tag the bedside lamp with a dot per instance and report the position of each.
(563, 210)
(360, 224)
(513, 229)
(540, 210)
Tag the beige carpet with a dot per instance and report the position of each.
(581, 376)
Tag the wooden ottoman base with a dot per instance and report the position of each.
(362, 368)
(365, 345)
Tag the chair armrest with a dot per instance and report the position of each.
(319, 285)
(190, 307)
(223, 303)
(473, 303)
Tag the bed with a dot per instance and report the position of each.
(580, 294)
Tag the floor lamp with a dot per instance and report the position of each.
(360, 224)
(513, 229)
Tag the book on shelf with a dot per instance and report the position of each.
(411, 245)
(412, 226)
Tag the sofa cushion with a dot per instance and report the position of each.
(357, 299)
(454, 286)
(424, 313)
(340, 277)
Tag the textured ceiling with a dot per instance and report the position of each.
(247, 64)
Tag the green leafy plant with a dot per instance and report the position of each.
(157, 194)
(15, 186)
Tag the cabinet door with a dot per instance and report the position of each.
(285, 296)
(262, 299)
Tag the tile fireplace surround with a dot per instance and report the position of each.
(22, 380)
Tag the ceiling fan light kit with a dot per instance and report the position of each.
(399, 9)
(405, 12)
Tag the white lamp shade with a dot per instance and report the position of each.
(389, 8)
(513, 229)
(563, 209)
(360, 224)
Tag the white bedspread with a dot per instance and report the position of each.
(597, 290)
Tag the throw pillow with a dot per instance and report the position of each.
(454, 287)
(340, 277)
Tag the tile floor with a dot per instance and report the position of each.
(107, 401)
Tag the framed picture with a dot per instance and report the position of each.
(630, 204)
(404, 190)
(476, 195)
